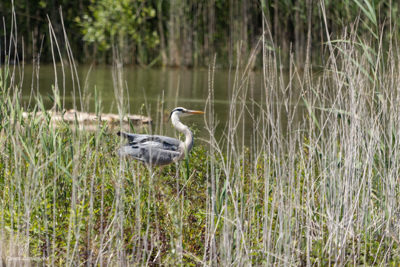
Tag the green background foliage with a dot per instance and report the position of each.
(189, 33)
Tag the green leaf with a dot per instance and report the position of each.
(311, 113)
(369, 13)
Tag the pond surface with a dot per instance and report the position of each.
(143, 91)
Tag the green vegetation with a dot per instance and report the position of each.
(321, 190)
(189, 33)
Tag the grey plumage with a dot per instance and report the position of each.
(157, 150)
(154, 150)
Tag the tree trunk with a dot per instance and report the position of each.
(276, 23)
(173, 50)
(296, 29)
(28, 52)
(195, 35)
(244, 34)
(231, 33)
(211, 30)
(161, 32)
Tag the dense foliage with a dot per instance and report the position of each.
(188, 32)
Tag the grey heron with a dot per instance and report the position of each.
(158, 150)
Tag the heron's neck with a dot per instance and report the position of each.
(183, 129)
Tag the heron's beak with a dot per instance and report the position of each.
(194, 112)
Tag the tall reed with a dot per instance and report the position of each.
(318, 184)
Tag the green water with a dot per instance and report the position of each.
(143, 90)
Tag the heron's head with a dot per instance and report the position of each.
(183, 112)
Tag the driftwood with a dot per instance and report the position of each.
(88, 120)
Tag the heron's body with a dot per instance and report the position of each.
(158, 150)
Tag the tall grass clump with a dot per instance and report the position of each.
(317, 186)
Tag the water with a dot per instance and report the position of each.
(145, 88)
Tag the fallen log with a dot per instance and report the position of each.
(88, 120)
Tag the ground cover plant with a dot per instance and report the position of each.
(318, 191)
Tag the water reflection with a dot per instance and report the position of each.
(143, 91)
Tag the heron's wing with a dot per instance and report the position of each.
(160, 141)
(151, 149)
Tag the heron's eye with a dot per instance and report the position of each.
(180, 110)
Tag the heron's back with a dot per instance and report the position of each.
(153, 150)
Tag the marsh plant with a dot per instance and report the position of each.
(316, 191)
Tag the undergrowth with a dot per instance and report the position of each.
(317, 186)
